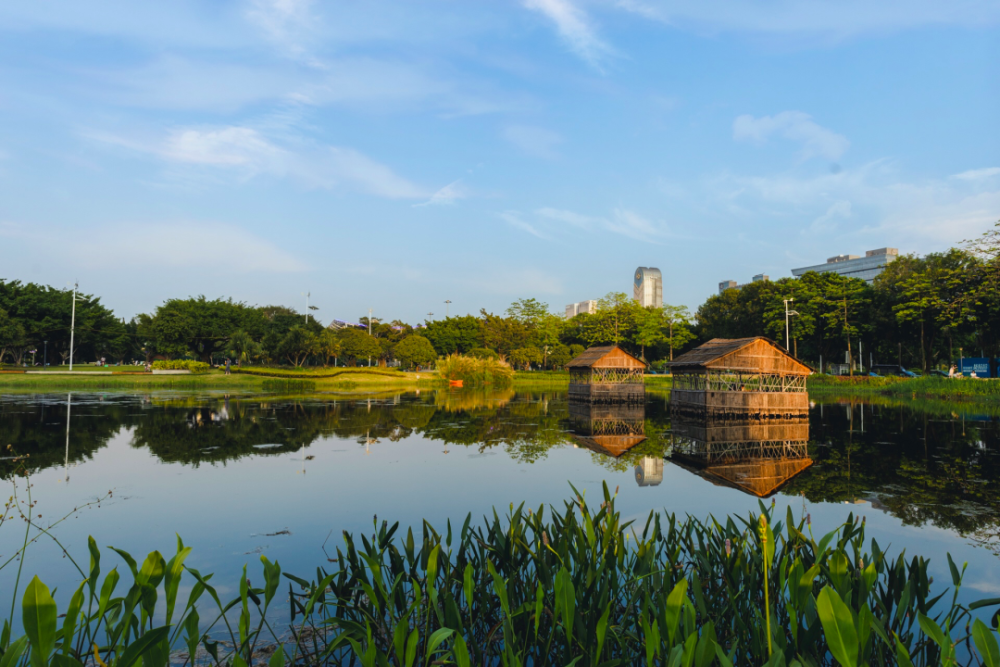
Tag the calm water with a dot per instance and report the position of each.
(237, 477)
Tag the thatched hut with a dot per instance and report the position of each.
(743, 377)
(608, 429)
(753, 457)
(607, 374)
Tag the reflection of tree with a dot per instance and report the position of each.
(38, 430)
(942, 472)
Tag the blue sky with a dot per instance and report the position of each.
(392, 155)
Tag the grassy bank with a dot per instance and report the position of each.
(959, 389)
(257, 379)
(557, 378)
(547, 587)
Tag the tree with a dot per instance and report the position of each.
(527, 311)
(560, 355)
(298, 345)
(327, 345)
(12, 334)
(614, 319)
(243, 347)
(415, 350)
(454, 334)
(677, 320)
(356, 344)
(201, 327)
(649, 324)
(525, 356)
(503, 334)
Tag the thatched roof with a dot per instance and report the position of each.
(748, 355)
(606, 356)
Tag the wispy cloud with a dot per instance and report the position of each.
(283, 21)
(815, 139)
(449, 194)
(248, 152)
(534, 141)
(514, 219)
(827, 222)
(978, 174)
(622, 221)
(574, 27)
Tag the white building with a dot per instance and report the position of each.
(853, 266)
(574, 309)
(731, 284)
(648, 287)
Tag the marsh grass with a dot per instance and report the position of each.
(475, 372)
(578, 585)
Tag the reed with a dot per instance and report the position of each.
(475, 372)
(578, 585)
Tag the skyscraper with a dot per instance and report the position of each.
(648, 287)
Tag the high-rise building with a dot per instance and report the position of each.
(853, 266)
(574, 309)
(731, 284)
(648, 287)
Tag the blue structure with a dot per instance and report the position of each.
(983, 367)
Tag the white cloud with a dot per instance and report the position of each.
(534, 141)
(567, 216)
(203, 245)
(795, 126)
(449, 194)
(828, 221)
(812, 18)
(574, 26)
(978, 174)
(283, 21)
(622, 221)
(514, 219)
(248, 152)
(370, 176)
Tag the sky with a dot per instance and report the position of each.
(397, 155)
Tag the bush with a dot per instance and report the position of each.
(476, 372)
(181, 365)
(483, 353)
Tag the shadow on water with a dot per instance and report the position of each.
(926, 466)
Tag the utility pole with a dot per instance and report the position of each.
(72, 326)
(45, 355)
(447, 308)
(787, 313)
(308, 294)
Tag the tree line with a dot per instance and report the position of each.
(920, 311)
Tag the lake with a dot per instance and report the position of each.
(239, 476)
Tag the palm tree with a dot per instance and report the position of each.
(242, 346)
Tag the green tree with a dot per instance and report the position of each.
(298, 345)
(200, 327)
(503, 334)
(327, 345)
(454, 334)
(415, 350)
(528, 311)
(12, 334)
(356, 345)
(649, 324)
(559, 355)
(614, 320)
(243, 347)
(525, 356)
(677, 321)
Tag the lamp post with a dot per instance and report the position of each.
(447, 308)
(307, 295)
(72, 326)
(45, 354)
(787, 314)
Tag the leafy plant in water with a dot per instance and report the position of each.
(578, 586)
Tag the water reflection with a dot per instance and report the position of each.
(935, 465)
(756, 457)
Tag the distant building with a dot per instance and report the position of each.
(648, 287)
(574, 309)
(853, 266)
(649, 472)
(731, 284)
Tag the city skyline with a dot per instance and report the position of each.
(397, 155)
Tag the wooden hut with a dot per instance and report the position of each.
(755, 458)
(742, 377)
(607, 374)
(608, 429)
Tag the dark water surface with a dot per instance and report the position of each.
(236, 477)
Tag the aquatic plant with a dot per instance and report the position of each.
(578, 586)
(181, 365)
(475, 372)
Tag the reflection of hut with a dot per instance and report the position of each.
(649, 472)
(753, 457)
(607, 374)
(606, 429)
(745, 377)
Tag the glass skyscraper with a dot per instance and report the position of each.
(648, 287)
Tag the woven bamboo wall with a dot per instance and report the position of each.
(741, 403)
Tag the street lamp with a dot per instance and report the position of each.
(447, 308)
(72, 326)
(787, 314)
(45, 355)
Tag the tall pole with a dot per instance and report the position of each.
(447, 308)
(308, 294)
(69, 405)
(787, 347)
(72, 326)
(45, 355)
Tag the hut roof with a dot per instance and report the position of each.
(606, 356)
(753, 355)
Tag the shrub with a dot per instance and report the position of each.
(483, 353)
(181, 365)
(415, 350)
(476, 372)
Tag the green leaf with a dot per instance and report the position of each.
(673, 611)
(13, 653)
(39, 617)
(278, 659)
(602, 630)
(934, 631)
(411, 648)
(107, 589)
(435, 640)
(838, 624)
(173, 571)
(723, 658)
(72, 615)
(461, 652)
(60, 660)
(566, 600)
(985, 642)
(142, 645)
(984, 603)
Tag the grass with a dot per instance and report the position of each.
(576, 585)
(921, 387)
